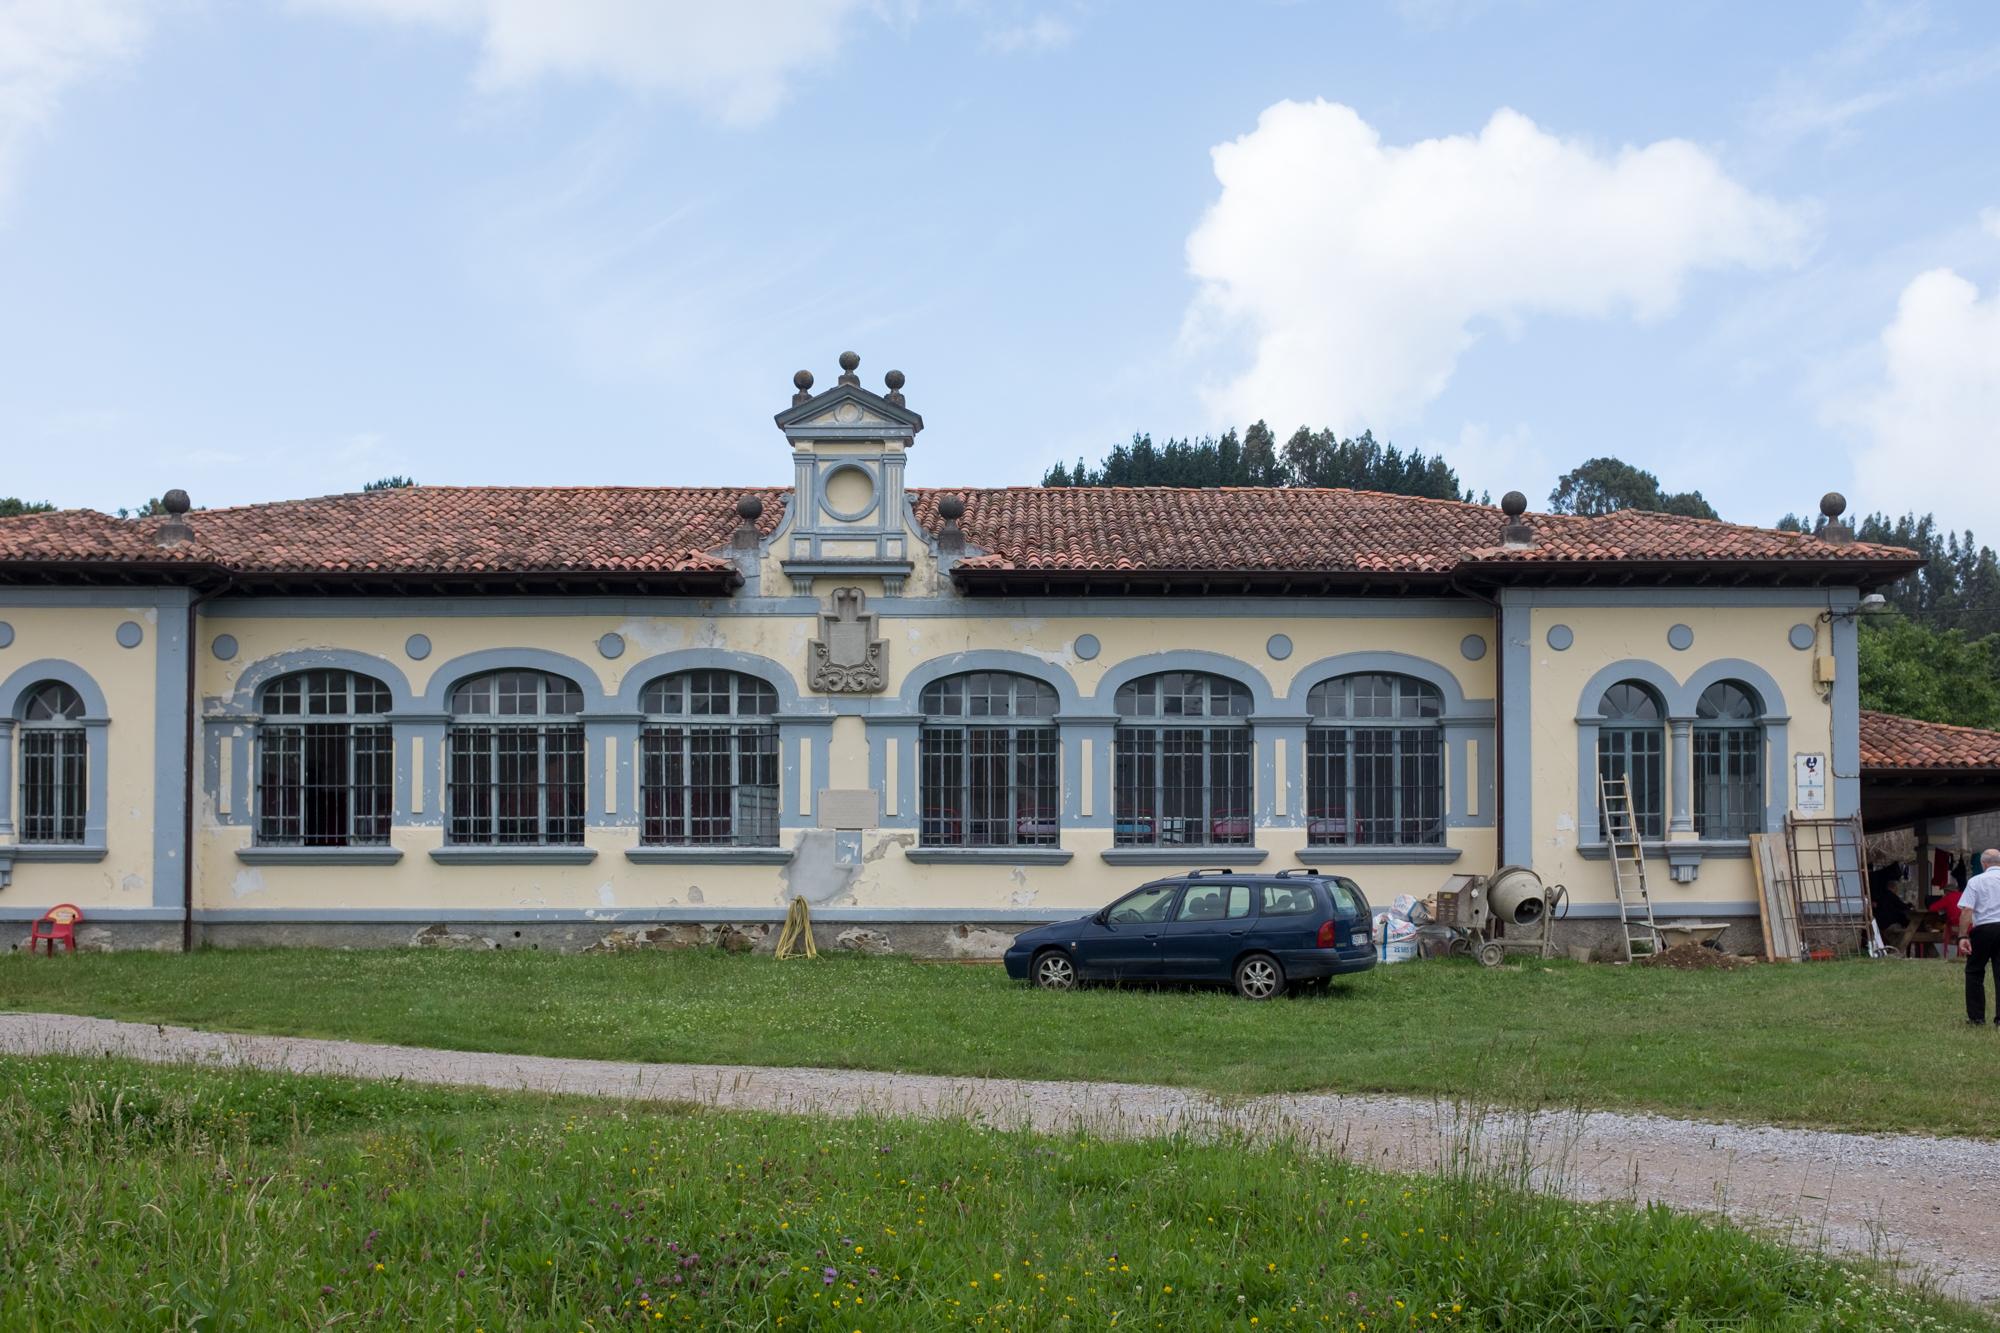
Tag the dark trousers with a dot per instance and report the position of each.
(1985, 954)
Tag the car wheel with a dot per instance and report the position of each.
(1053, 970)
(1259, 977)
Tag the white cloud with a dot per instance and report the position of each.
(1989, 222)
(45, 47)
(1931, 426)
(1044, 32)
(1356, 274)
(732, 60)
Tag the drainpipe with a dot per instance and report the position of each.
(188, 773)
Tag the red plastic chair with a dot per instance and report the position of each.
(58, 923)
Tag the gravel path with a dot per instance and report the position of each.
(1933, 1204)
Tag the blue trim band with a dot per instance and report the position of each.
(319, 856)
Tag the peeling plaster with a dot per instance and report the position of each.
(606, 895)
(135, 884)
(694, 894)
(248, 880)
(816, 872)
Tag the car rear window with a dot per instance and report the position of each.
(1215, 902)
(1347, 899)
(1286, 900)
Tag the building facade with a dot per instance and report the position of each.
(571, 717)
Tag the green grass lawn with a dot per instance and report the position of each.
(134, 1197)
(1863, 1045)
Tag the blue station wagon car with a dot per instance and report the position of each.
(1260, 933)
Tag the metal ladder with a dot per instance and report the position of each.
(1637, 933)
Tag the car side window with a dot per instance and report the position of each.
(1285, 900)
(1215, 902)
(1150, 904)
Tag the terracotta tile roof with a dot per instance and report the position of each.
(639, 532)
(421, 530)
(1888, 741)
(1238, 529)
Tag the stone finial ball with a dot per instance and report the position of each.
(750, 508)
(1513, 504)
(894, 379)
(849, 360)
(803, 380)
(175, 501)
(951, 507)
(1833, 504)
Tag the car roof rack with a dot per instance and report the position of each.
(1303, 872)
(1211, 870)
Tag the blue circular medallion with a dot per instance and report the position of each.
(612, 645)
(418, 646)
(1087, 646)
(131, 634)
(1279, 646)
(224, 647)
(1472, 647)
(1680, 638)
(1801, 637)
(1561, 637)
(6, 634)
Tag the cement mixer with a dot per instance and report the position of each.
(1509, 911)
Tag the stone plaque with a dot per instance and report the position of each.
(848, 808)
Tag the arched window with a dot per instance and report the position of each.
(54, 765)
(1182, 762)
(987, 762)
(709, 761)
(1632, 744)
(1728, 762)
(516, 771)
(326, 766)
(1375, 762)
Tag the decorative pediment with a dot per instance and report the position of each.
(849, 517)
(847, 411)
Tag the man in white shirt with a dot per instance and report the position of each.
(1979, 924)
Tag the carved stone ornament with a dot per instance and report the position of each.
(847, 658)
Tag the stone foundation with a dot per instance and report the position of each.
(939, 940)
(942, 940)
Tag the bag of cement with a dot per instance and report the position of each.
(1395, 938)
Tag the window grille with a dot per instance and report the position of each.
(1728, 762)
(1181, 762)
(988, 762)
(326, 774)
(516, 767)
(1631, 744)
(709, 761)
(1375, 762)
(55, 761)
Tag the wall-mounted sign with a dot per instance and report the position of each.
(1809, 784)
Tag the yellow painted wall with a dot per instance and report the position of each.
(885, 879)
(1604, 635)
(86, 637)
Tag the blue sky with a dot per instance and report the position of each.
(268, 250)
